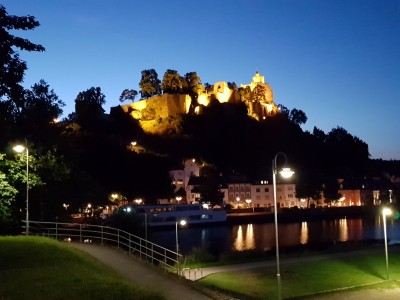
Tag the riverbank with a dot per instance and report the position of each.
(240, 216)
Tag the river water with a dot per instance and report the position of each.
(228, 238)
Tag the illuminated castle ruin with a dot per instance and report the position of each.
(257, 96)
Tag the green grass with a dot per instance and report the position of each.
(41, 268)
(308, 277)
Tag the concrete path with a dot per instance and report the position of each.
(144, 274)
(174, 288)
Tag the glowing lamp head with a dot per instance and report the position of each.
(19, 148)
(386, 211)
(182, 222)
(286, 172)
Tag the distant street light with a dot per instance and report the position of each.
(20, 149)
(386, 212)
(248, 201)
(178, 199)
(238, 201)
(285, 173)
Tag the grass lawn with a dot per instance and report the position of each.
(306, 278)
(41, 268)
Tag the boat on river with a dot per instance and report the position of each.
(169, 214)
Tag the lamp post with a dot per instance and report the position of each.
(386, 212)
(20, 149)
(286, 173)
(182, 223)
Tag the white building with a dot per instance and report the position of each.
(262, 195)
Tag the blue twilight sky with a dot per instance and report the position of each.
(337, 60)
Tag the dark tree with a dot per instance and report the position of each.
(297, 116)
(128, 95)
(40, 113)
(309, 186)
(88, 107)
(319, 134)
(12, 68)
(283, 110)
(150, 84)
(210, 190)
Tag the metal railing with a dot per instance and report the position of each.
(87, 233)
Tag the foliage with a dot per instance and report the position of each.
(7, 194)
(297, 116)
(210, 190)
(149, 84)
(192, 83)
(259, 94)
(198, 256)
(12, 68)
(172, 82)
(309, 185)
(88, 107)
(128, 95)
(13, 179)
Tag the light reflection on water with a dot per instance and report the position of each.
(244, 238)
(226, 238)
(304, 233)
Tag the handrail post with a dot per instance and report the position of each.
(140, 248)
(118, 238)
(102, 228)
(56, 231)
(130, 243)
(80, 233)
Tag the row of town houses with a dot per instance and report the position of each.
(240, 193)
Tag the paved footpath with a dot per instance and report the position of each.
(173, 288)
(144, 274)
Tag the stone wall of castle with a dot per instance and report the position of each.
(160, 106)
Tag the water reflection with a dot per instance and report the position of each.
(244, 238)
(343, 230)
(227, 238)
(304, 233)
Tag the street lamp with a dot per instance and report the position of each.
(20, 149)
(285, 173)
(178, 199)
(386, 212)
(182, 223)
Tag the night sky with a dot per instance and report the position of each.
(338, 61)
